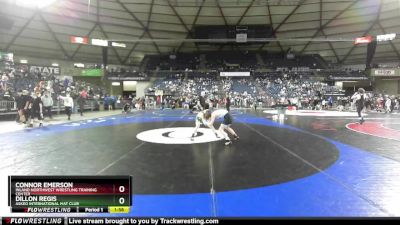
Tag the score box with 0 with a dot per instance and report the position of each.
(83, 191)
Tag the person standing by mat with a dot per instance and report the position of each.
(19, 100)
(228, 103)
(27, 107)
(225, 125)
(360, 102)
(68, 104)
(37, 110)
(47, 101)
(82, 101)
(201, 119)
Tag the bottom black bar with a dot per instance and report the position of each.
(216, 221)
(183, 221)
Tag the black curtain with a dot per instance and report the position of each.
(105, 60)
(370, 53)
(105, 56)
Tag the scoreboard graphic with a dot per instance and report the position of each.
(70, 194)
(42, 195)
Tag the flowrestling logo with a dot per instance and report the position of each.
(33, 220)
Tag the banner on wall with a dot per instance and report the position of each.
(350, 78)
(128, 78)
(234, 74)
(386, 37)
(55, 70)
(385, 72)
(363, 40)
(92, 72)
(79, 40)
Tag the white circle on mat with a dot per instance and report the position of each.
(178, 135)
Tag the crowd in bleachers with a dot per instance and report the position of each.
(279, 81)
(170, 85)
(230, 61)
(173, 62)
(281, 60)
(294, 88)
(357, 73)
(382, 102)
(337, 74)
(267, 88)
(39, 83)
(17, 80)
(124, 72)
(373, 102)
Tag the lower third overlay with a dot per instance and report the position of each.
(104, 221)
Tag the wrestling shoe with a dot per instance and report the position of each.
(228, 142)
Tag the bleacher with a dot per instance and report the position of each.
(175, 62)
(244, 86)
(274, 60)
(123, 72)
(343, 75)
(231, 60)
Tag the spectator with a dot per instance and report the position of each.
(81, 101)
(26, 103)
(20, 107)
(37, 110)
(4, 80)
(388, 105)
(47, 104)
(68, 104)
(228, 103)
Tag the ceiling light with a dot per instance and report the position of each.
(117, 44)
(34, 3)
(79, 65)
(99, 42)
